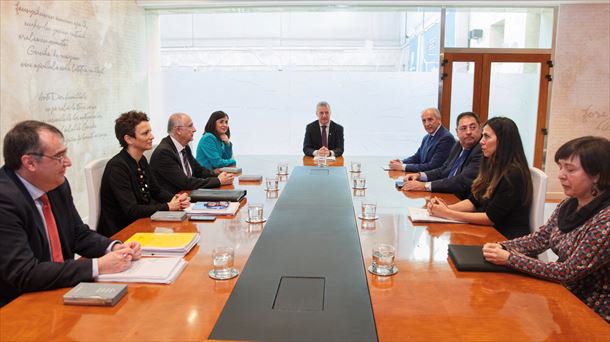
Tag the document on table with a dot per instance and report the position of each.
(148, 270)
(422, 215)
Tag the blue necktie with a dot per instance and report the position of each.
(424, 148)
(458, 162)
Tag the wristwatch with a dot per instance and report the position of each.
(428, 186)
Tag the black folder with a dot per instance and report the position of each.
(200, 195)
(471, 259)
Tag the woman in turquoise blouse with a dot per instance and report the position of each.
(215, 149)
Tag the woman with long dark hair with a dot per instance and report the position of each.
(502, 192)
(215, 149)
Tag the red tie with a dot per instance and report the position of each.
(51, 229)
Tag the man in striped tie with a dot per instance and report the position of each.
(323, 137)
(40, 229)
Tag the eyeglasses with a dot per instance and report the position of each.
(472, 127)
(191, 126)
(59, 158)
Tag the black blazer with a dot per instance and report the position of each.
(462, 181)
(25, 259)
(122, 201)
(167, 168)
(313, 138)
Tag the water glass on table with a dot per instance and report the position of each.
(255, 213)
(355, 167)
(282, 169)
(272, 183)
(368, 210)
(222, 261)
(383, 260)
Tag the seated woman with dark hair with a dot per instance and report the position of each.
(502, 192)
(578, 231)
(215, 150)
(129, 190)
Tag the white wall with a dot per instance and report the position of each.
(268, 111)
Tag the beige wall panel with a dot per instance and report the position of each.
(76, 65)
(580, 100)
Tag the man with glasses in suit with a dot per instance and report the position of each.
(461, 168)
(41, 230)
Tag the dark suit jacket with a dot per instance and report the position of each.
(437, 151)
(122, 201)
(313, 138)
(167, 168)
(25, 259)
(462, 181)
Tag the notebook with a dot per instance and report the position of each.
(470, 259)
(250, 178)
(95, 294)
(230, 169)
(176, 216)
(200, 195)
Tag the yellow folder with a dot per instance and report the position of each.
(163, 240)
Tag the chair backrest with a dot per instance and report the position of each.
(93, 177)
(539, 180)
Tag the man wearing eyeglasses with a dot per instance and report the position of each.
(40, 229)
(173, 163)
(460, 169)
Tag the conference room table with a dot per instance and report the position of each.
(427, 300)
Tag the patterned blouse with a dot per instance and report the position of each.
(584, 258)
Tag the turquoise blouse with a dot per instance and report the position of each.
(212, 153)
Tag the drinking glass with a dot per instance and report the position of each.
(355, 167)
(368, 210)
(255, 212)
(222, 260)
(282, 169)
(359, 182)
(383, 259)
(272, 183)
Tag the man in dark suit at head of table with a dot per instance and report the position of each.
(40, 229)
(323, 137)
(173, 163)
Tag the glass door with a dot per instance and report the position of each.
(510, 85)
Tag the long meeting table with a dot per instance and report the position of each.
(427, 300)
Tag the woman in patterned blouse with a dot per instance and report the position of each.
(501, 194)
(578, 231)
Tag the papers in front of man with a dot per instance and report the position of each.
(230, 169)
(176, 216)
(213, 208)
(422, 215)
(148, 270)
(95, 294)
(329, 158)
(165, 244)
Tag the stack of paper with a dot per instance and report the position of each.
(148, 270)
(422, 215)
(165, 244)
(329, 158)
(202, 208)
